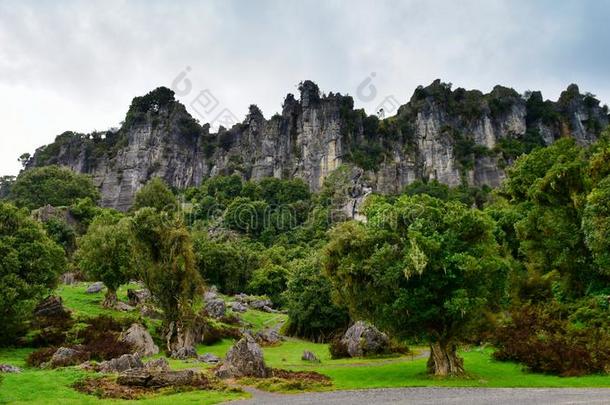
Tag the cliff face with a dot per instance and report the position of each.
(454, 136)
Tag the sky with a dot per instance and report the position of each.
(76, 65)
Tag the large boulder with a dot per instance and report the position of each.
(363, 339)
(244, 359)
(216, 308)
(65, 356)
(51, 306)
(238, 307)
(260, 304)
(140, 339)
(157, 378)
(95, 288)
(268, 337)
(119, 364)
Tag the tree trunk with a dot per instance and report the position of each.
(180, 340)
(110, 300)
(444, 360)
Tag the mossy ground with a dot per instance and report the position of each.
(55, 386)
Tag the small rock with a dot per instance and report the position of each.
(65, 356)
(121, 306)
(244, 359)
(51, 306)
(209, 358)
(216, 308)
(241, 297)
(184, 353)
(260, 304)
(7, 368)
(268, 309)
(160, 364)
(95, 287)
(141, 340)
(363, 339)
(310, 356)
(238, 307)
(268, 337)
(210, 294)
(138, 297)
(125, 362)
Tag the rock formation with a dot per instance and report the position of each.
(454, 136)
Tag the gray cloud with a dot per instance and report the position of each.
(76, 65)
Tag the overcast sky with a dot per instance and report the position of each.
(72, 65)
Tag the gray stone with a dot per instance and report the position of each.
(260, 304)
(209, 358)
(65, 356)
(7, 368)
(238, 307)
(160, 364)
(156, 378)
(51, 306)
(184, 353)
(363, 339)
(268, 337)
(119, 364)
(122, 306)
(310, 356)
(244, 359)
(141, 340)
(95, 288)
(216, 308)
(138, 297)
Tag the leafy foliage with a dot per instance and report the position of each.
(54, 185)
(155, 194)
(30, 265)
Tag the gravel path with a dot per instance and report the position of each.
(470, 396)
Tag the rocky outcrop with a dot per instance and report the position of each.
(140, 339)
(52, 306)
(453, 136)
(65, 356)
(244, 359)
(363, 339)
(156, 378)
(95, 288)
(120, 364)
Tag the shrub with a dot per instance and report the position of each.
(543, 338)
(36, 358)
(269, 280)
(337, 348)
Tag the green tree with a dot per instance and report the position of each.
(269, 280)
(155, 194)
(107, 253)
(596, 224)
(421, 268)
(311, 311)
(167, 267)
(54, 185)
(29, 268)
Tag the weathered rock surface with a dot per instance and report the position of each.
(238, 307)
(244, 359)
(314, 135)
(119, 364)
(7, 368)
(65, 356)
(95, 287)
(184, 353)
(209, 358)
(363, 339)
(310, 356)
(141, 340)
(260, 304)
(156, 378)
(160, 364)
(216, 308)
(122, 306)
(51, 306)
(268, 337)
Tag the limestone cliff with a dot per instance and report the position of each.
(454, 136)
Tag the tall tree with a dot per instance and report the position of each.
(29, 267)
(167, 267)
(106, 253)
(420, 268)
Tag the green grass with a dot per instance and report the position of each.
(54, 386)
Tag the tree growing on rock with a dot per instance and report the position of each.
(167, 267)
(29, 267)
(106, 253)
(420, 268)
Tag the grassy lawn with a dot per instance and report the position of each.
(54, 386)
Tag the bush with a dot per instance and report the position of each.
(311, 312)
(543, 338)
(36, 358)
(269, 280)
(337, 348)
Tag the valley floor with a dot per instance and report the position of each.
(372, 377)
